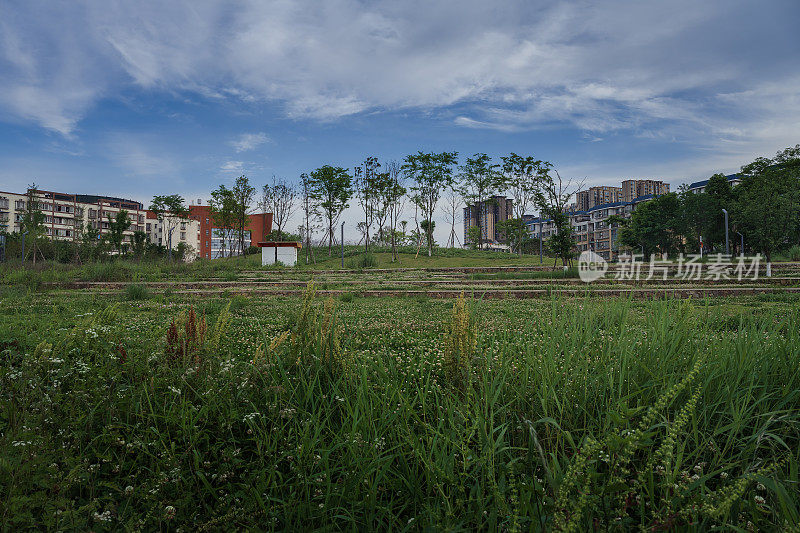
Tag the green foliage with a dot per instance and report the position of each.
(767, 205)
(331, 189)
(136, 291)
(430, 174)
(362, 261)
(655, 225)
(345, 417)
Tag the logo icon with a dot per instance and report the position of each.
(591, 266)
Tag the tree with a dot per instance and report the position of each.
(278, 198)
(367, 185)
(139, 244)
(654, 226)
(517, 234)
(430, 173)
(696, 218)
(331, 188)
(427, 227)
(767, 202)
(552, 197)
(521, 178)
(474, 236)
(453, 201)
(117, 226)
(223, 214)
(243, 194)
(393, 200)
(33, 221)
(170, 210)
(311, 213)
(480, 179)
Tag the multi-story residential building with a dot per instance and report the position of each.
(184, 230)
(700, 186)
(591, 227)
(488, 214)
(593, 196)
(214, 242)
(67, 215)
(632, 189)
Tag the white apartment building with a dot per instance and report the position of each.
(184, 230)
(68, 215)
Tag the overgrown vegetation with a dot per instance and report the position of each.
(397, 414)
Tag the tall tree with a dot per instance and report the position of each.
(33, 221)
(480, 179)
(552, 198)
(767, 204)
(223, 214)
(117, 226)
(453, 202)
(393, 199)
(331, 189)
(522, 178)
(310, 212)
(655, 226)
(170, 210)
(367, 184)
(243, 193)
(278, 198)
(430, 173)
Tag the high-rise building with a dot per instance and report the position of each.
(487, 215)
(596, 196)
(633, 189)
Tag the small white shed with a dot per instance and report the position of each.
(283, 252)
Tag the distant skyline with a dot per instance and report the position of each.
(140, 98)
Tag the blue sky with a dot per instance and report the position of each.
(139, 98)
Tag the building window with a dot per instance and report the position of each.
(183, 235)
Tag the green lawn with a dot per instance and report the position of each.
(390, 413)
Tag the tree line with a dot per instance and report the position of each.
(764, 213)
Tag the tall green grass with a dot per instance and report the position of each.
(656, 415)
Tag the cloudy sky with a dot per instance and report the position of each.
(149, 97)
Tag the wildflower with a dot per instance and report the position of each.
(724, 475)
(105, 516)
(169, 511)
(128, 490)
(760, 500)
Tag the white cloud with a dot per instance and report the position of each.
(232, 166)
(141, 156)
(249, 141)
(680, 70)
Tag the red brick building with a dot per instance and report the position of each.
(260, 226)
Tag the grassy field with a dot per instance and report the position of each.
(145, 407)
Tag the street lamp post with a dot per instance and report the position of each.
(741, 247)
(727, 244)
(342, 244)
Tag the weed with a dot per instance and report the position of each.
(136, 291)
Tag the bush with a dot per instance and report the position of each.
(136, 291)
(366, 260)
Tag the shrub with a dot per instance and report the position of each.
(136, 291)
(460, 343)
(360, 262)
